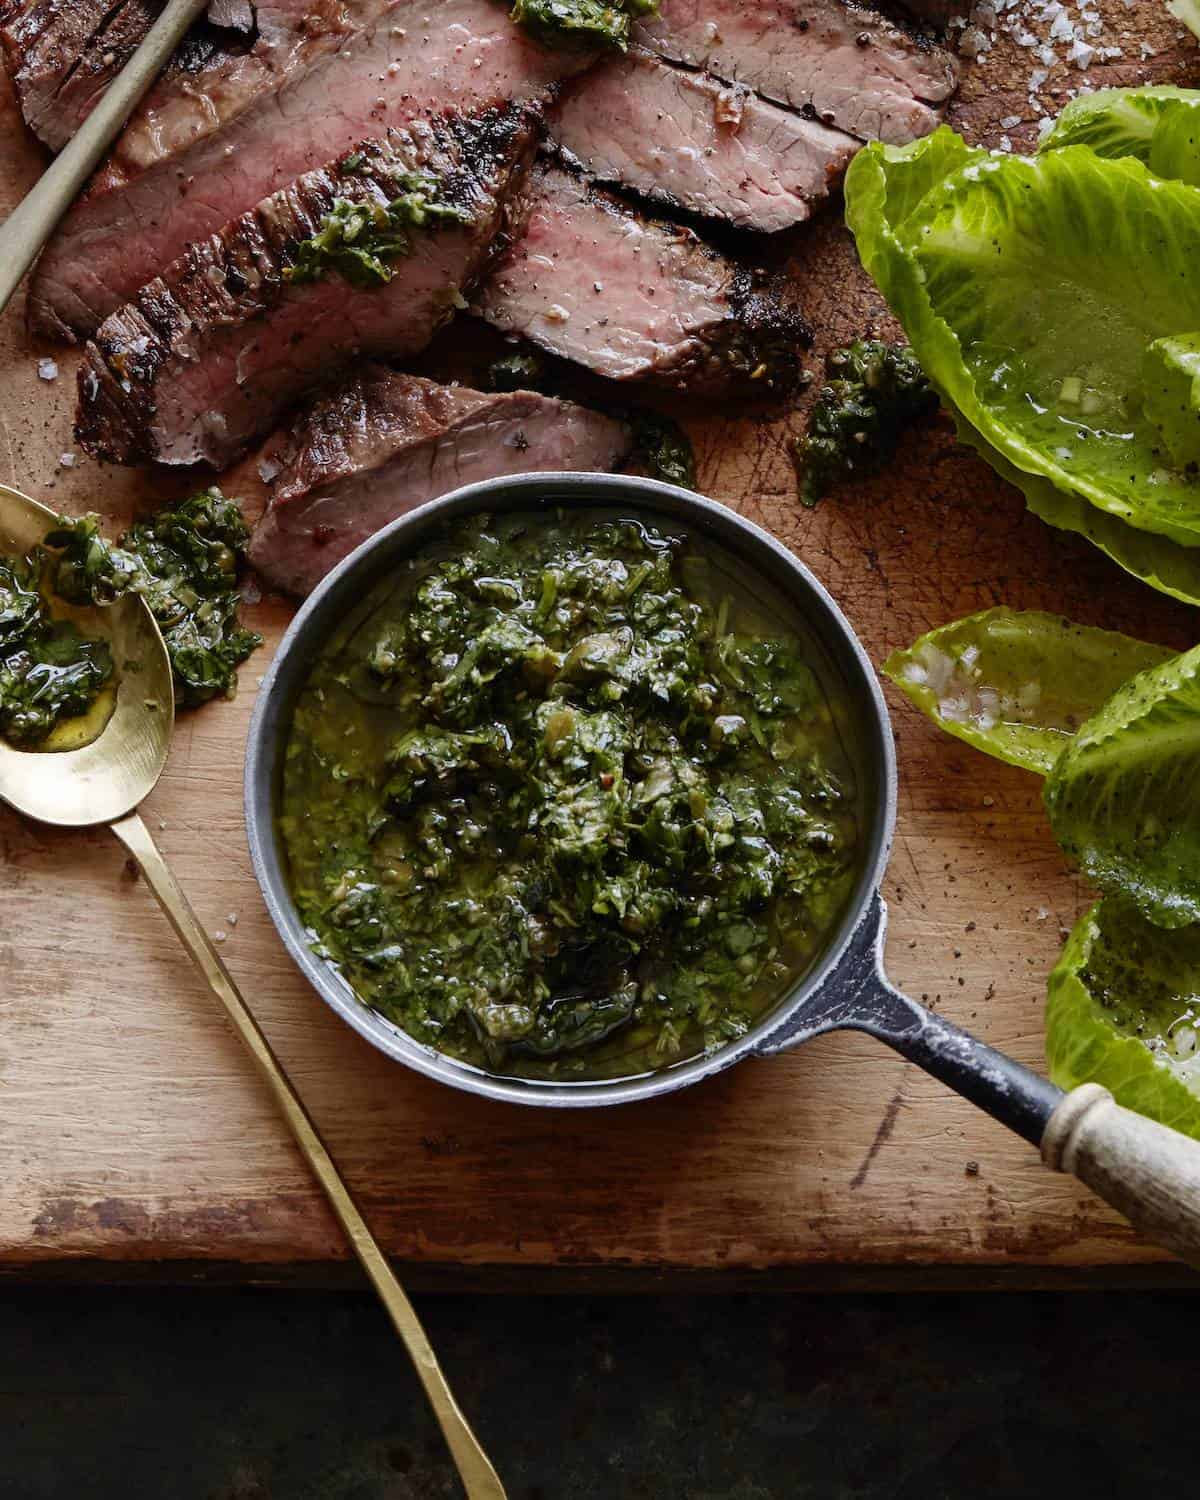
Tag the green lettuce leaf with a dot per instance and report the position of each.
(1124, 797)
(1017, 684)
(1030, 290)
(1175, 148)
(1123, 1009)
(1171, 376)
(1187, 11)
(1156, 125)
(1155, 560)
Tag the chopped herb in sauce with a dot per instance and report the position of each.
(523, 370)
(583, 24)
(876, 391)
(184, 561)
(49, 672)
(362, 241)
(664, 449)
(563, 802)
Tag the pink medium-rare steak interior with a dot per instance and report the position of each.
(387, 442)
(687, 140)
(399, 67)
(635, 298)
(853, 68)
(209, 355)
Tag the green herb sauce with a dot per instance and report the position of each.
(876, 392)
(183, 560)
(562, 802)
(52, 676)
(57, 684)
(583, 24)
(362, 241)
(664, 449)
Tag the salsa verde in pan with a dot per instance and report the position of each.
(562, 801)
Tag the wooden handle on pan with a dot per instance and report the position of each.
(1148, 1172)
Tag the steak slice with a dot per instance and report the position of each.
(688, 141)
(179, 177)
(63, 54)
(634, 298)
(850, 66)
(209, 354)
(55, 52)
(385, 443)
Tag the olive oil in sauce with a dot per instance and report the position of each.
(566, 798)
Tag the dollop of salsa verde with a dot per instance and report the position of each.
(57, 677)
(562, 801)
(56, 682)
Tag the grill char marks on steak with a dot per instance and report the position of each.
(63, 54)
(179, 183)
(385, 443)
(208, 355)
(634, 298)
(688, 141)
(849, 66)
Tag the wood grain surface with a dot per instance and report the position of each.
(132, 1130)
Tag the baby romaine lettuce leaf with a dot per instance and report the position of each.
(1175, 147)
(1187, 11)
(1017, 684)
(1123, 1009)
(1171, 376)
(1156, 125)
(1155, 560)
(1124, 796)
(1030, 290)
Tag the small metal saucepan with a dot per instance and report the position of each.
(1150, 1173)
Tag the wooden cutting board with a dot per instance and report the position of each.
(133, 1133)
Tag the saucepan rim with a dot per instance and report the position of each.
(347, 583)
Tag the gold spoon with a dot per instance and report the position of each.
(105, 779)
(104, 782)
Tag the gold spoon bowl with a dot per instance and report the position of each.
(109, 774)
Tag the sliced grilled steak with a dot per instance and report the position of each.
(208, 355)
(687, 140)
(63, 54)
(634, 298)
(56, 51)
(850, 66)
(178, 180)
(386, 443)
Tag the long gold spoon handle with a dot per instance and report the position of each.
(478, 1476)
(32, 222)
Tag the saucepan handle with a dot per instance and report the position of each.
(1147, 1171)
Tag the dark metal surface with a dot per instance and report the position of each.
(298, 1396)
(847, 988)
(859, 997)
